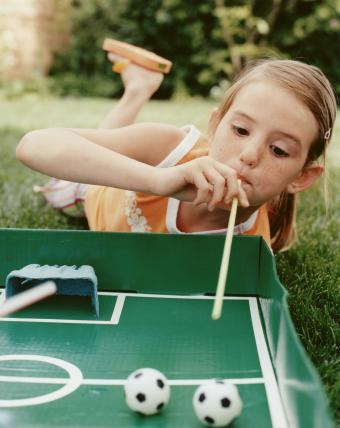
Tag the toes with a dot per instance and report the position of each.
(118, 67)
(112, 57)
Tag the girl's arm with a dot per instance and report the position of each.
(70, 155)
(146, 142)
(55, 151)
(103, 157)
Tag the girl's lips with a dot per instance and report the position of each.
(243, 179)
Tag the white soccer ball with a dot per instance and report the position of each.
(217, 403)
(147, 391)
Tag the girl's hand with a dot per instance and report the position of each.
(202, 180)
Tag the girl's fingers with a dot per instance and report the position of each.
(215, 182)
(218, 186)
(234, 186)
(243, 199)
(241, 196)
(203, 189)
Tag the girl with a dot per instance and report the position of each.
(263, 144)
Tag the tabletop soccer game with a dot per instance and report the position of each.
(75, 359)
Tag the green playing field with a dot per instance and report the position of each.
(174, 335)
(60, 366)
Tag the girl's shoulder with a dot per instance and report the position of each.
(192, 145)
(155, 141)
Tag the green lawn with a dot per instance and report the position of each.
(310, 271)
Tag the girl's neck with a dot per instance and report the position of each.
(191, 218)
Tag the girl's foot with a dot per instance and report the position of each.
(136, 78)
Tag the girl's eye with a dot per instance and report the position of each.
(240, 131)
(278, 151)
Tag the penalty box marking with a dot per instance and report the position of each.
(118, 307)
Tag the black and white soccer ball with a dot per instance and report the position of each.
(147, 391)
(217, 403)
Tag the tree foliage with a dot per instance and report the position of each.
(208, 41)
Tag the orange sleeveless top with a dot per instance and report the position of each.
(117, 210)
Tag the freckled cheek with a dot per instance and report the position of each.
(275, 179)
(272, 170)
(218, 153)
(224, 153)
(274, 173)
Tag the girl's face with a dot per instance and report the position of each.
(265, 137)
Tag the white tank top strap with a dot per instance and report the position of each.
(183, 148)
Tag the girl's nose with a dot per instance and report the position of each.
(250, 154)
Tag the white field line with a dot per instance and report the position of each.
(171, 296)
(55, 321)
(115, 317)
(117, 382)
(272, 390)
(118, 309)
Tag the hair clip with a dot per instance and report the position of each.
(328, 134)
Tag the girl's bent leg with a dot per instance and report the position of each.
(139, 86)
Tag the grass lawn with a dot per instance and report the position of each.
(310, 271)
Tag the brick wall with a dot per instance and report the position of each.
(30, 32)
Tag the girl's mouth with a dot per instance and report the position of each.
(243, 179)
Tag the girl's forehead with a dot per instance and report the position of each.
(272, 94)
(267, 103)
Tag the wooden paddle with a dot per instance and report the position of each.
(138, 55)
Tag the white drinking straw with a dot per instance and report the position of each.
(217, 309)
(27, 298)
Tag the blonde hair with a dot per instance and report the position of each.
(310, 86)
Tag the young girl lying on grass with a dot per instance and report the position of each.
(263, 146)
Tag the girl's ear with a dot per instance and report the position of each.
(306, 178)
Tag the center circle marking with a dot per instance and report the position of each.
(74, 381)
